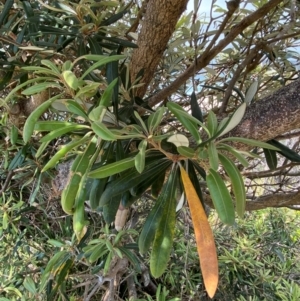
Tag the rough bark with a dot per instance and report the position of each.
(158, 25)
(272, 116)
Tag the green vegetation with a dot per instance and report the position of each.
(258, 257)
(110, 162)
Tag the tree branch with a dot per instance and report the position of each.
(271, 116)
(204, 59)
(274, 200)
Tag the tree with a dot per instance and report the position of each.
(141, 95)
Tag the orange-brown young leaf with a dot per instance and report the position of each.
(204, 237)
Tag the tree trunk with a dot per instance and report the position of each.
(158, 25)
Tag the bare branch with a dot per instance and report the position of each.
(274, 200)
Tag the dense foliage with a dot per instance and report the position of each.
(81, 145)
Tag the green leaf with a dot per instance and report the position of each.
(55, 243)
(61, 131)
(132, 178)
(34, 116)
(195, 180)
(188, 121)
(51, 125)
(237, 182)
(250, 142)
(234, 120)
(100, 63)
(29, 285)
(76, 108)
(251, 92)
(139, 159)
(110, 209)
(64, 150)
(285, 151)
(98, 252)
(220, 197)
(79, 168)
(236, 153)
(107, 95)
(51, 66)
(112, 168)
(70, 79)
(212, 123)
(164, 235)
(37, 88)
(213, 155)
(14, 135)
(157, 185)
(102, 131)
(132, 258)
(271, 158)
(195, 108)
(87, 91)
(97, 114)
(96, 191)
(186, 151)
(153, 220)
(155, 119)
(141, 122)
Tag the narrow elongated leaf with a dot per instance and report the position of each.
(155, 119)
(235, 119)
(77, 176)
(37, 88)
(250, 142)
(139, 159)
(102, 131)
(204, 237)
(152, 222)
(213, 155)
(51, 66)
(186, 151)
(188, 121)
(111, 169)
(87, 91)
(74, 107)
(237, 182)
(97, 189)
(140, 121)
(157, 185)
(164, 234)
(195, 108)
(101, 62)
(212, 123)
(132, 258)
(221, 197)
(271, 158)
(107, 95)
(51, 125)
(110, 209)
(251, 92)
(132, 178)
(285, 151)
(63, 151)
(195, 180)
(34, 116)
(61, 131)
(235, 153)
